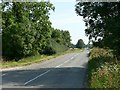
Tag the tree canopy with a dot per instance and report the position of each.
(102, 20)
(27, 30)
(80, 44)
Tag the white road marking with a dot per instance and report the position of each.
(66, 61)
(76, 55)
(58, 65)
(62, 63)
(49, 70)
(4, 74)
(72, 58)
(37, 77)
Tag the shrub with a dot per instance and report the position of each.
(49, 51)
(53, 47)
(103, 69)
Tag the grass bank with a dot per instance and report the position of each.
(103, 69)
(34, 59)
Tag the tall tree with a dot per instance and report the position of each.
(103, 22)
(57, 35)
(60, 41)
(26, 28)
(80, 44)
(66, 38)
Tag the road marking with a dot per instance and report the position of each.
(62, 63)
(67, 61)
(72, 58)
(3, 74)
(58, 65)
(37, 77)
(76, 55)
(49, 70)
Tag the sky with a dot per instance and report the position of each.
(64, 17)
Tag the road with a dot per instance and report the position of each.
(66, 71)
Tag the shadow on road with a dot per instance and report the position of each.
(66, 77)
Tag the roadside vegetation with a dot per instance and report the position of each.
(102, 21)
(103, 69)
(35, 59)
(28, 36)
(27, 31)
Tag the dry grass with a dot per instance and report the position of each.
(34, 59)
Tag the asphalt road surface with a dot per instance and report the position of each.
(66, 71)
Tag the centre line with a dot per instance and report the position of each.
(67, 61)
(37, 77)
(3, 74)
(49, 70)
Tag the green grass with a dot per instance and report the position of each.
(103, 69)
(34, 59)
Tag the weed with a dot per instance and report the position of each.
(103, 69)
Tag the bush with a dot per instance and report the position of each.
(49, 51)
(53, 47)
(103, 69)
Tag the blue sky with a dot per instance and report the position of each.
(65, 18)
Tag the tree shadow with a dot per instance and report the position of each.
(63, 77)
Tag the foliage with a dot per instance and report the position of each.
(26, 27)
(90, 46)
(34, 59)
(80, 44)
(59, 42)
(103, 23)
(62, 37)
(103, 69)
(73, 46)
(27, 30)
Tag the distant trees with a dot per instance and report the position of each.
(60, 41)
(80, 44)
(103, 23)
(26, 30)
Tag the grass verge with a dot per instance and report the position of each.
(103, 69)
(34, 59)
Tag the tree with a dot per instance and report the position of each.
(59, 42)
(80, 44)
(26, 28)
(103, 23)
(57, 35)
(62, 37)
(66, 38)
(15, 30)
